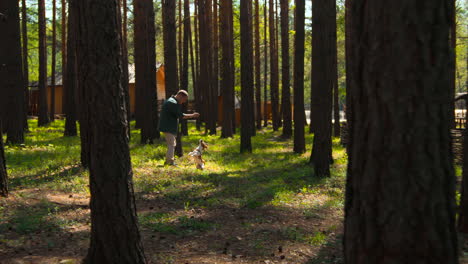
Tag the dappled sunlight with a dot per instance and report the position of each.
(267, 205)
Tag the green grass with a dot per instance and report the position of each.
(272, 176)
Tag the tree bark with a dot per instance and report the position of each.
(273, 69)
(70, 82)
(11, 73)
(400, 161)
(63, 26)
(114, 227)
(247, 82)
(299, 42)
(463, 215)
(43, 118)
(258, 84)
(198, 92)
(125, 77)
(179, 28)
(3, 170)
(463, 209)
(24, 28)
(265, 81)
(185, 61)
(145, 68)
(323, 67)
(215, 80)
(227, 71)
(170, 53)
(170, 57)
(54, 60)
(285, 76)
(206, 60)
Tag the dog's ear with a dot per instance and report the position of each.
(204, 145)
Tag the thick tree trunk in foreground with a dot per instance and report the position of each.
(323, 67)
(43, 111)
(227, 69)
(3, 171)
(285, 76)
(71, 80)
(299, 113)
(400, 194)
(247, 82)
(11, 73)
(273, 70)
(463, 209)
(145, 68)
(114, 227)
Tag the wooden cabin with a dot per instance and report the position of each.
(59, 100)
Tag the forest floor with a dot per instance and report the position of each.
(264, 207)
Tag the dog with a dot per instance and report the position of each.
(197, 154)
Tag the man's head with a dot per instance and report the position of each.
(182, 96)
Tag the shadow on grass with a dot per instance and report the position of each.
(44, 176)
(330, 253)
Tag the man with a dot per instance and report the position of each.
(168, 122)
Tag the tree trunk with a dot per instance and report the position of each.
(323, 72)
(63, 38)
(3, 170)
(258, 84)
(145, 67)
(299, 40)
(206, 70)
(396, 171)
(265, 81)
(170, 56)
(273, 69)
(227, 71)
(125, 77)
(286, 92)
(185, 61)
(179, 28)
(114, 227)
(453, 63)
(70, 82)
(312, 107)
(247, 82)
(215, 81)
(463, 209)
(348, 42)
(463, 216)
(43, 111)
(11, 73)
(54, 60)
(197, 93)
(277, 47)
(24, 27)
(170, 53)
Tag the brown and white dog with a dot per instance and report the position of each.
(197, 154)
